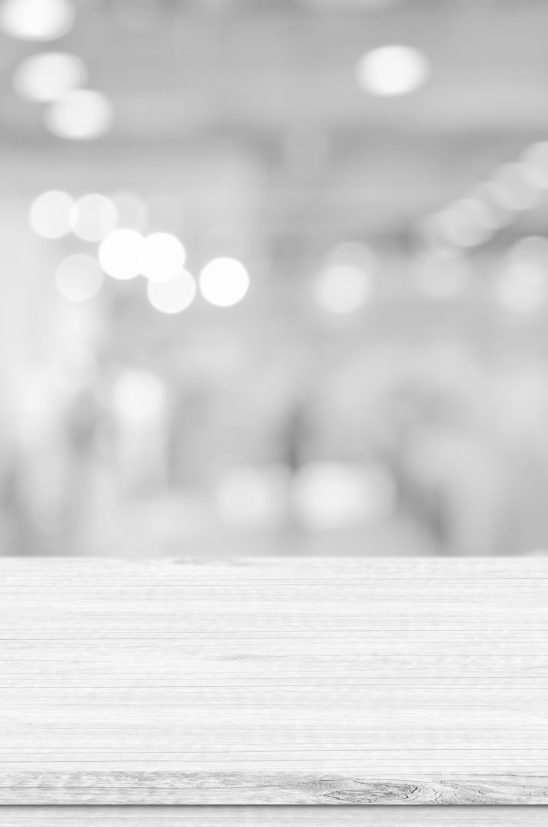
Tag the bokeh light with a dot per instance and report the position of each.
(393, 70)
(172, 296)
(48, 76)
(37, 20)
(120, 254)
(94, 216)
(79, 277)
(224, 282)
(80, 115)
(390, 257)
(343, 288)
(50, 214)
(163, 256)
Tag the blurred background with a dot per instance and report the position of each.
(273, 277)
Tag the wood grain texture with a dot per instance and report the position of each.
(273, 817)
(274, 681)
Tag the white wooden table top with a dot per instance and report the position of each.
(277, 681)
(349, 816)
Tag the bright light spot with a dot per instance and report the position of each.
(523, 287)
(393, 70)
(172, 296)
(79, 277)
(138, 396)
(131, 209)
(343, 288)
(120, 254)
(93, 217)
(442, 274)
(335, 496)
(163, 257)
(517, 187)
(80, 115)
(50, 214)
(224, 282)
(46, 77)
(36, 19)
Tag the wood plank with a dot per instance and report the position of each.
(274, 817)
(273, 681)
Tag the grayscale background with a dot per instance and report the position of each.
(274, 277)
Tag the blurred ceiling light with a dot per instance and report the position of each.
(79, 277)
(517, 188)
(172, 296)
(120, 254)
(131, 210)
(343, 288)
(393, 70)
(224, 282)
(37, 20)
(163, 257)
(138, 396)
(82, 114)
(536, 159)
(523, 286)
(50, 214)
(94, 216)
(46, 77)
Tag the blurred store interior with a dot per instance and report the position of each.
(274, 277)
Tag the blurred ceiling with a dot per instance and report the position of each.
(271, 85)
